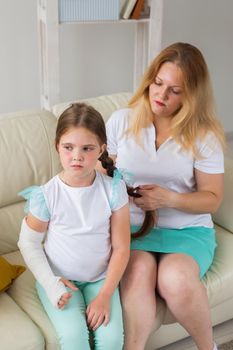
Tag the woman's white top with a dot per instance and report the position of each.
(170, 167)
(78, 241)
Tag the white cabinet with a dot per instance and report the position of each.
(147, 45)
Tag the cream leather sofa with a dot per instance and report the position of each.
(28, 157)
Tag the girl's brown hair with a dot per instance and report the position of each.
(83, 115)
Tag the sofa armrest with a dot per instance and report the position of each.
(224, 216)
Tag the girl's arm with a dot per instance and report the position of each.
(206, 199)
(120, 241)
(30, 244)
(99, 310)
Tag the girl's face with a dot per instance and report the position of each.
(166, 92)
(79, 150)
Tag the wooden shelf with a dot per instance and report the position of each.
(119, 21)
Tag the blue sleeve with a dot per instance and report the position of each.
(35, 204)
(119, 192)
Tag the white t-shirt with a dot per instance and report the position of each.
(169, 167)
(78, 244)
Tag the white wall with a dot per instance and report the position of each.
(98, 59)
(207, 24)
(19, 75)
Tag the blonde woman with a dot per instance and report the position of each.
(171, 141)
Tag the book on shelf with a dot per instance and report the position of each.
(135, 14)
(128, 8)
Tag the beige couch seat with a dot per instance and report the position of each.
(28, 157)
(17, 330)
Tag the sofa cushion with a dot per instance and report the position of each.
(10, 220)
(29, 138)
(219, 278)
(23, 292)
(29, 157)
(18, 332)
(106, 105)
(8, 273)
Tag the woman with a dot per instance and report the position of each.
(171, 141)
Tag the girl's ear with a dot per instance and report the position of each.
(103, 148)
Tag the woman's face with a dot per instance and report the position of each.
(166, 92)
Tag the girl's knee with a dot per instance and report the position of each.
(113, 341)
(73, 338)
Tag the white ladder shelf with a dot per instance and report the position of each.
(148, 36)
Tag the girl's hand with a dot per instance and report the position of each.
(98, 312)
(64, 300)
(154, 197)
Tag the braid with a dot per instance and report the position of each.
(150, 216)
(149, 219)
(107, 163)
(147, 225)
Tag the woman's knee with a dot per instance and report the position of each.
(177, 279)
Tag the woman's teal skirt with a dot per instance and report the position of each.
(197, 242)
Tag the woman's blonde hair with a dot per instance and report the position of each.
(197, 115)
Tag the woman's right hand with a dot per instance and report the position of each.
(64, 299)
(154, 197)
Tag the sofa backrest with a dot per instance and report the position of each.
(27, 157)
(224, 216)
(106, 104)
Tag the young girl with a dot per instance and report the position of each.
(83, 217)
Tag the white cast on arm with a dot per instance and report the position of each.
(30, 245)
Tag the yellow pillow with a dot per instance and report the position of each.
(8, 273)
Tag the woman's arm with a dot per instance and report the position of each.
(98, 310)
(206, 199)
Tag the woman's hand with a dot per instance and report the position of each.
(98, 312)
(64, 300)
(154, 197)
(206, 199)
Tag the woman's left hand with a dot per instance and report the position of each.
(98, 312)
(154, 197)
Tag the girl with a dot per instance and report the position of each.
(83, 217)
